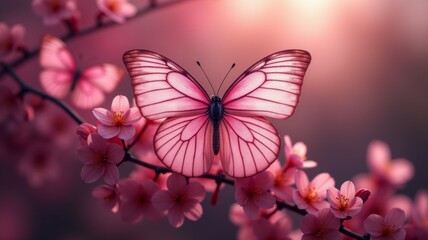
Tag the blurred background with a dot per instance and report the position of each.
(368, 80)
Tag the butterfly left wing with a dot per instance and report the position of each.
(269, 88)
(184, 144)
(93, 82)
(58, 66)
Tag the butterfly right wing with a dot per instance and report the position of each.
(58, 66)
(162, 88)
(183, 142)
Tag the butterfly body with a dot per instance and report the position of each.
(197, 128)
(216, 114)
(76, 75)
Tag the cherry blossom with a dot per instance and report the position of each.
(83, 131)
(10, 40)
(137, 200)
(310, 195)
(11, 106)
(390, 227)
(253, 193)
(322, 225)
(344, 203)
(118, 121)
(396, 172)
(109, 195)
(117, 10)
(295, 155)
(100, 159)
(181, 200)
(284, 179)
(54, 11)
(420, 215)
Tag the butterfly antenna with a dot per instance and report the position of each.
(230, 69)
(199, 64)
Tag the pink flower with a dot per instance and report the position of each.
(83, 131)
(137, 200)
(284, 179)
(295, 155)
(109, 195)
(397, 172)
(54, 11)
(310, 195)
(267, 230)
(11, 106)
(253, 193)
(118, 121)
(322, 225)
(39, 165)
(420, 213)
(100, 159)
(181, 200)
(117, 10)
(390, 227)
(10, 40)
(344, 203)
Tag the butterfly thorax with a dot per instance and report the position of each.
(76, 77)
(215, 112)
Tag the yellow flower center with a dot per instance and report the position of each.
(343, 202)
(113, 5)
(311, 196)
(118, 118)
(387, 230)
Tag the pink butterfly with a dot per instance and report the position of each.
(60, 76)
(198, 127)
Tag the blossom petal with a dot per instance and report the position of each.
(302, 181)
(194, 213)
(126, 132)
(395, 217)
(97, 143)
(176, 217)
(162, 200)
(120, 103)
(115, 153)
(176, 184)
(251, 210)
(133, 116)
(104, 116)
(348, 189)
(373, 224)
(108, 132)
(307, 223)
(322, 182)
(91, 173)
(266, 201)
(86, 155)
(196, 191)
(111, 175)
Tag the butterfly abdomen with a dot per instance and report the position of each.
(216, 114)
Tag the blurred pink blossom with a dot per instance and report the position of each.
(54, 11)
(344, 203)
(253, 193)
(137, 200)
(390, 227)
(284, 179)
(40, 165)
(322, 225)
(181, 200)
(117, 10)
(310, 195)
(109, 195)
(118, 121)
(83, 131)
(420, 215)
(397, 172)
(267, 230)
(11, 106)
(295, 155)
(10, 40)
(100, 159)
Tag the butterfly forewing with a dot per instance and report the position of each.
(270, 88)
(162, 88)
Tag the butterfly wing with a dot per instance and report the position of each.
(58, 66)
(184, 144)
(162, 88)
(269, 88)
(93, 82)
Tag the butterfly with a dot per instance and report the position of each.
(198, 127)
(60, 76)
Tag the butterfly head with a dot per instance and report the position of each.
(215, 99)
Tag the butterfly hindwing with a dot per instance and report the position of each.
(269, 88)
(162, 88)
(184, 144)
(248, 145)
